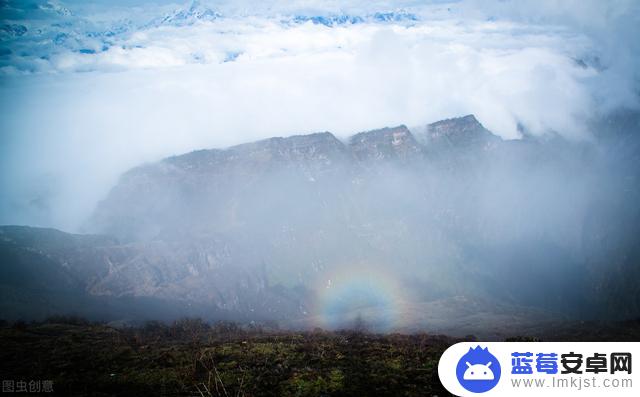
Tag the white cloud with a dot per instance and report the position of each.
(150, 90)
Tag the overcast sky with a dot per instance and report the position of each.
(90, 89)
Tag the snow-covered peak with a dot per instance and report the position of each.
(331, 20)
(195, 13)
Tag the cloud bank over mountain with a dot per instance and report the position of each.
(89, 90)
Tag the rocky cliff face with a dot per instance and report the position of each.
(309, 227)
(180, 191)
(461, 132)
(385, 144)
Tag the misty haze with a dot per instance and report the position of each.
(408, 229)
(438, 168)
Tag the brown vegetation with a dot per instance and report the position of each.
(191, 357)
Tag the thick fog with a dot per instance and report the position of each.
(89, 90)
(538, 222)
(405, 233)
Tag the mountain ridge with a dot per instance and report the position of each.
(316, 157)
(310, 230)
(458, 129)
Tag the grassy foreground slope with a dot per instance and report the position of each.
(192, 358)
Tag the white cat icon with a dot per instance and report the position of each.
(478, 372)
